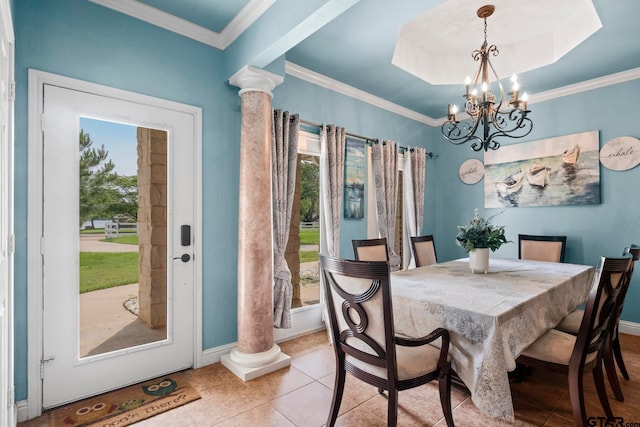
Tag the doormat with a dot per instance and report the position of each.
(127, 405)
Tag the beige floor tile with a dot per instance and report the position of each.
(316, 364)
(263, 416)
(306, 406)
(278, 383)
(305, 344)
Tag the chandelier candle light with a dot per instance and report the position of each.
(497, 117)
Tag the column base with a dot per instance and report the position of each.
(249, 366)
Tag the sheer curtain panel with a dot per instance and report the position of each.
(332, 146)
(413, 189)
(385, 173)
(284, 151)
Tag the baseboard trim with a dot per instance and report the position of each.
(22, 409)
(631, 328)
(305, 321)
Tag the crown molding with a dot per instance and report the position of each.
(587, 85)
(243, 20)
(326, 82)
(344, 89)
(164, 20)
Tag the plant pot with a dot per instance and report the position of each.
(479, 260)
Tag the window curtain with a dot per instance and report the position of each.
(385, 174)
(332, 146)
(284, 152)
(413, 193)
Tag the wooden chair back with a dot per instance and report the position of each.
(612, 279)
(541, 248)
(370, 249)
(424, 250)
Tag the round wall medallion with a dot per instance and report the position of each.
(621, 154)
(471, 171)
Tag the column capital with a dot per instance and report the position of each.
(250, 78)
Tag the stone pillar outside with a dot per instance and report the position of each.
(256, 354)
(152, 227)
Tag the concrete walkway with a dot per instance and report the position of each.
(105, 324)
(92, 243)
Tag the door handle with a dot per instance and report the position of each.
(184, 257)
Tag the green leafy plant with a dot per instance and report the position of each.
(480, 233)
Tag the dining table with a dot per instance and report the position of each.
(491, 318)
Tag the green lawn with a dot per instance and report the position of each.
(101, 270)
(308, 256)
(309, 236)
(101, 231)
(131, 239)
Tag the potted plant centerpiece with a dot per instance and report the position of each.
(477, 238)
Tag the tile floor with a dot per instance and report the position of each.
(301, 394)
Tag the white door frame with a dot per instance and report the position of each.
(37, 80)
(7, 377)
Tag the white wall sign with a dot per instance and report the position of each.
(621, 154)
(471, 171)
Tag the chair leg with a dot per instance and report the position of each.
(444, 383)
(598, 378)
(577, 397)
(392, 408)
(610, 368)
(615, 344)
(338, 390)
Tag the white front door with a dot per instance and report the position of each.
(88, 347)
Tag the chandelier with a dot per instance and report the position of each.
(496, 117)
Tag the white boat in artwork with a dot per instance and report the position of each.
(511, 184)
(570, 156)
(538, 175)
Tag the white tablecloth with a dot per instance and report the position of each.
(491, 317)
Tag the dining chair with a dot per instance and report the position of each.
(424, 250)
(541, 248)
(365, 345)
(613, 353)
(576, 355)
(370, 249)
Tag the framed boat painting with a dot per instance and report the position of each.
(549, 172)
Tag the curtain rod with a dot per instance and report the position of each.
(429, 154)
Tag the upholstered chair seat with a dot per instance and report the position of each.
(555, 347)
(412, 362)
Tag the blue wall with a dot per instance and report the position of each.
(592, 230)
(89, 42)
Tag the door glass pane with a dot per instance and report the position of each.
(123, 253)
